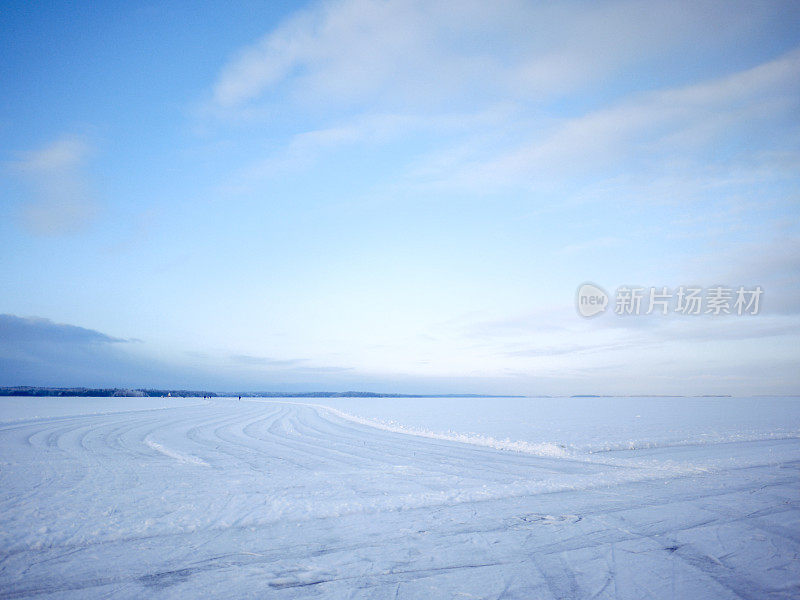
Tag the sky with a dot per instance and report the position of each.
(398, 196)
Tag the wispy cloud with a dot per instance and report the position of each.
(671, 123)
(61, 199)
(304, 149)
(39, 351)
(407, 52)
(14, 329)
(441, 73)
(261, 361)
(64, 154)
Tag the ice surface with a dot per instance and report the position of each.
(497, 498)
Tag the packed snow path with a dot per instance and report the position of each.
(259, 499)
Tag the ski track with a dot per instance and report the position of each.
(252, 499)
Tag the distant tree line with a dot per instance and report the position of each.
(158, 393)
(99, 392)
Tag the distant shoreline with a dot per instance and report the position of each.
(66, 392)
(158, 393)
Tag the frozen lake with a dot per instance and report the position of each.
(400, 498)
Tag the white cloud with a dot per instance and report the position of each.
(363, 71)
(411, 52)
(60, 197)
(305, 148)
(63, 154)
(666, 123)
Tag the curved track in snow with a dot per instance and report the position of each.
(257, 499)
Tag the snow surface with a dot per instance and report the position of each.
(400, 498)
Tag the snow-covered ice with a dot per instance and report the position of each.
(400, 498)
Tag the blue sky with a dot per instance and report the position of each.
(397, 196)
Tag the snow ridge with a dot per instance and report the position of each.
(179, 456)
(546, 449)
